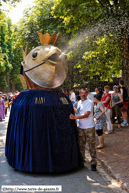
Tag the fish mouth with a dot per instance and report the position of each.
(57, 57)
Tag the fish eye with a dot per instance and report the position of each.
(34, 55)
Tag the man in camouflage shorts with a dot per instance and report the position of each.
(86, 130)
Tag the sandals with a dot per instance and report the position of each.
(108, 132)
(100, 146)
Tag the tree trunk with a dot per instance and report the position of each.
(8, 84)
(122, 3)
(1, 89)
(13, 87)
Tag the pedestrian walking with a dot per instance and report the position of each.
(106, 98)
(90, 95)
(16, 94)
(124, 95)
(2, 108)
(99, 90)
(6, 102)
(72, 96)
(86, 128)
(100, 120)
(116, 103)
(10, 101)
(75, 106)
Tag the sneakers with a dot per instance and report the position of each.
(93, 168)
(108, 132)
(118, 129)
(124, 124)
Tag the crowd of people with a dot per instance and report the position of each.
(92, 113)
(6, 100)
(97, 112)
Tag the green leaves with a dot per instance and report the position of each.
(94, 29)
(97, 56)
(76, 13)
(8, 60)
(37, 18)
(4, 52)
(2, 67)
(10, 2)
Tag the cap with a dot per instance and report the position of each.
(115, 86)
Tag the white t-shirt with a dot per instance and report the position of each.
(83, 107)
(73, 97)
(91, 97)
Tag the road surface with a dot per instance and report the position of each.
(80, 181)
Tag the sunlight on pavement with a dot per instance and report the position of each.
(88, 178)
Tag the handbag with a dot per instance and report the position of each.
(105, 109)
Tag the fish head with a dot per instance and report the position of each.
(46, 66)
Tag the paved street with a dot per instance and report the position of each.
(81, 181)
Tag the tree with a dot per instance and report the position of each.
(5, 66)
(109, 17)
(10, 2)
(15, 57)
(78, 13)
(97, 56)
(35, 19)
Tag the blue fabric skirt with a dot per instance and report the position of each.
(40, 135)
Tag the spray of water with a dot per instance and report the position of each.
(105, 27)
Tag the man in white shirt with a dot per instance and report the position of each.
(86, 129)
(72, 97)
(90, 95)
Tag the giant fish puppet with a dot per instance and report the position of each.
(40, 135)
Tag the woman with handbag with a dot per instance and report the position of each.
(106, 98)
(116, 104)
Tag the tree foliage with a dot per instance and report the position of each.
(94, 30)
(79, 13)
(10, 2)
(99, 57)
(8, 63)
(5, 66)
(35, 19)
(98, 31)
